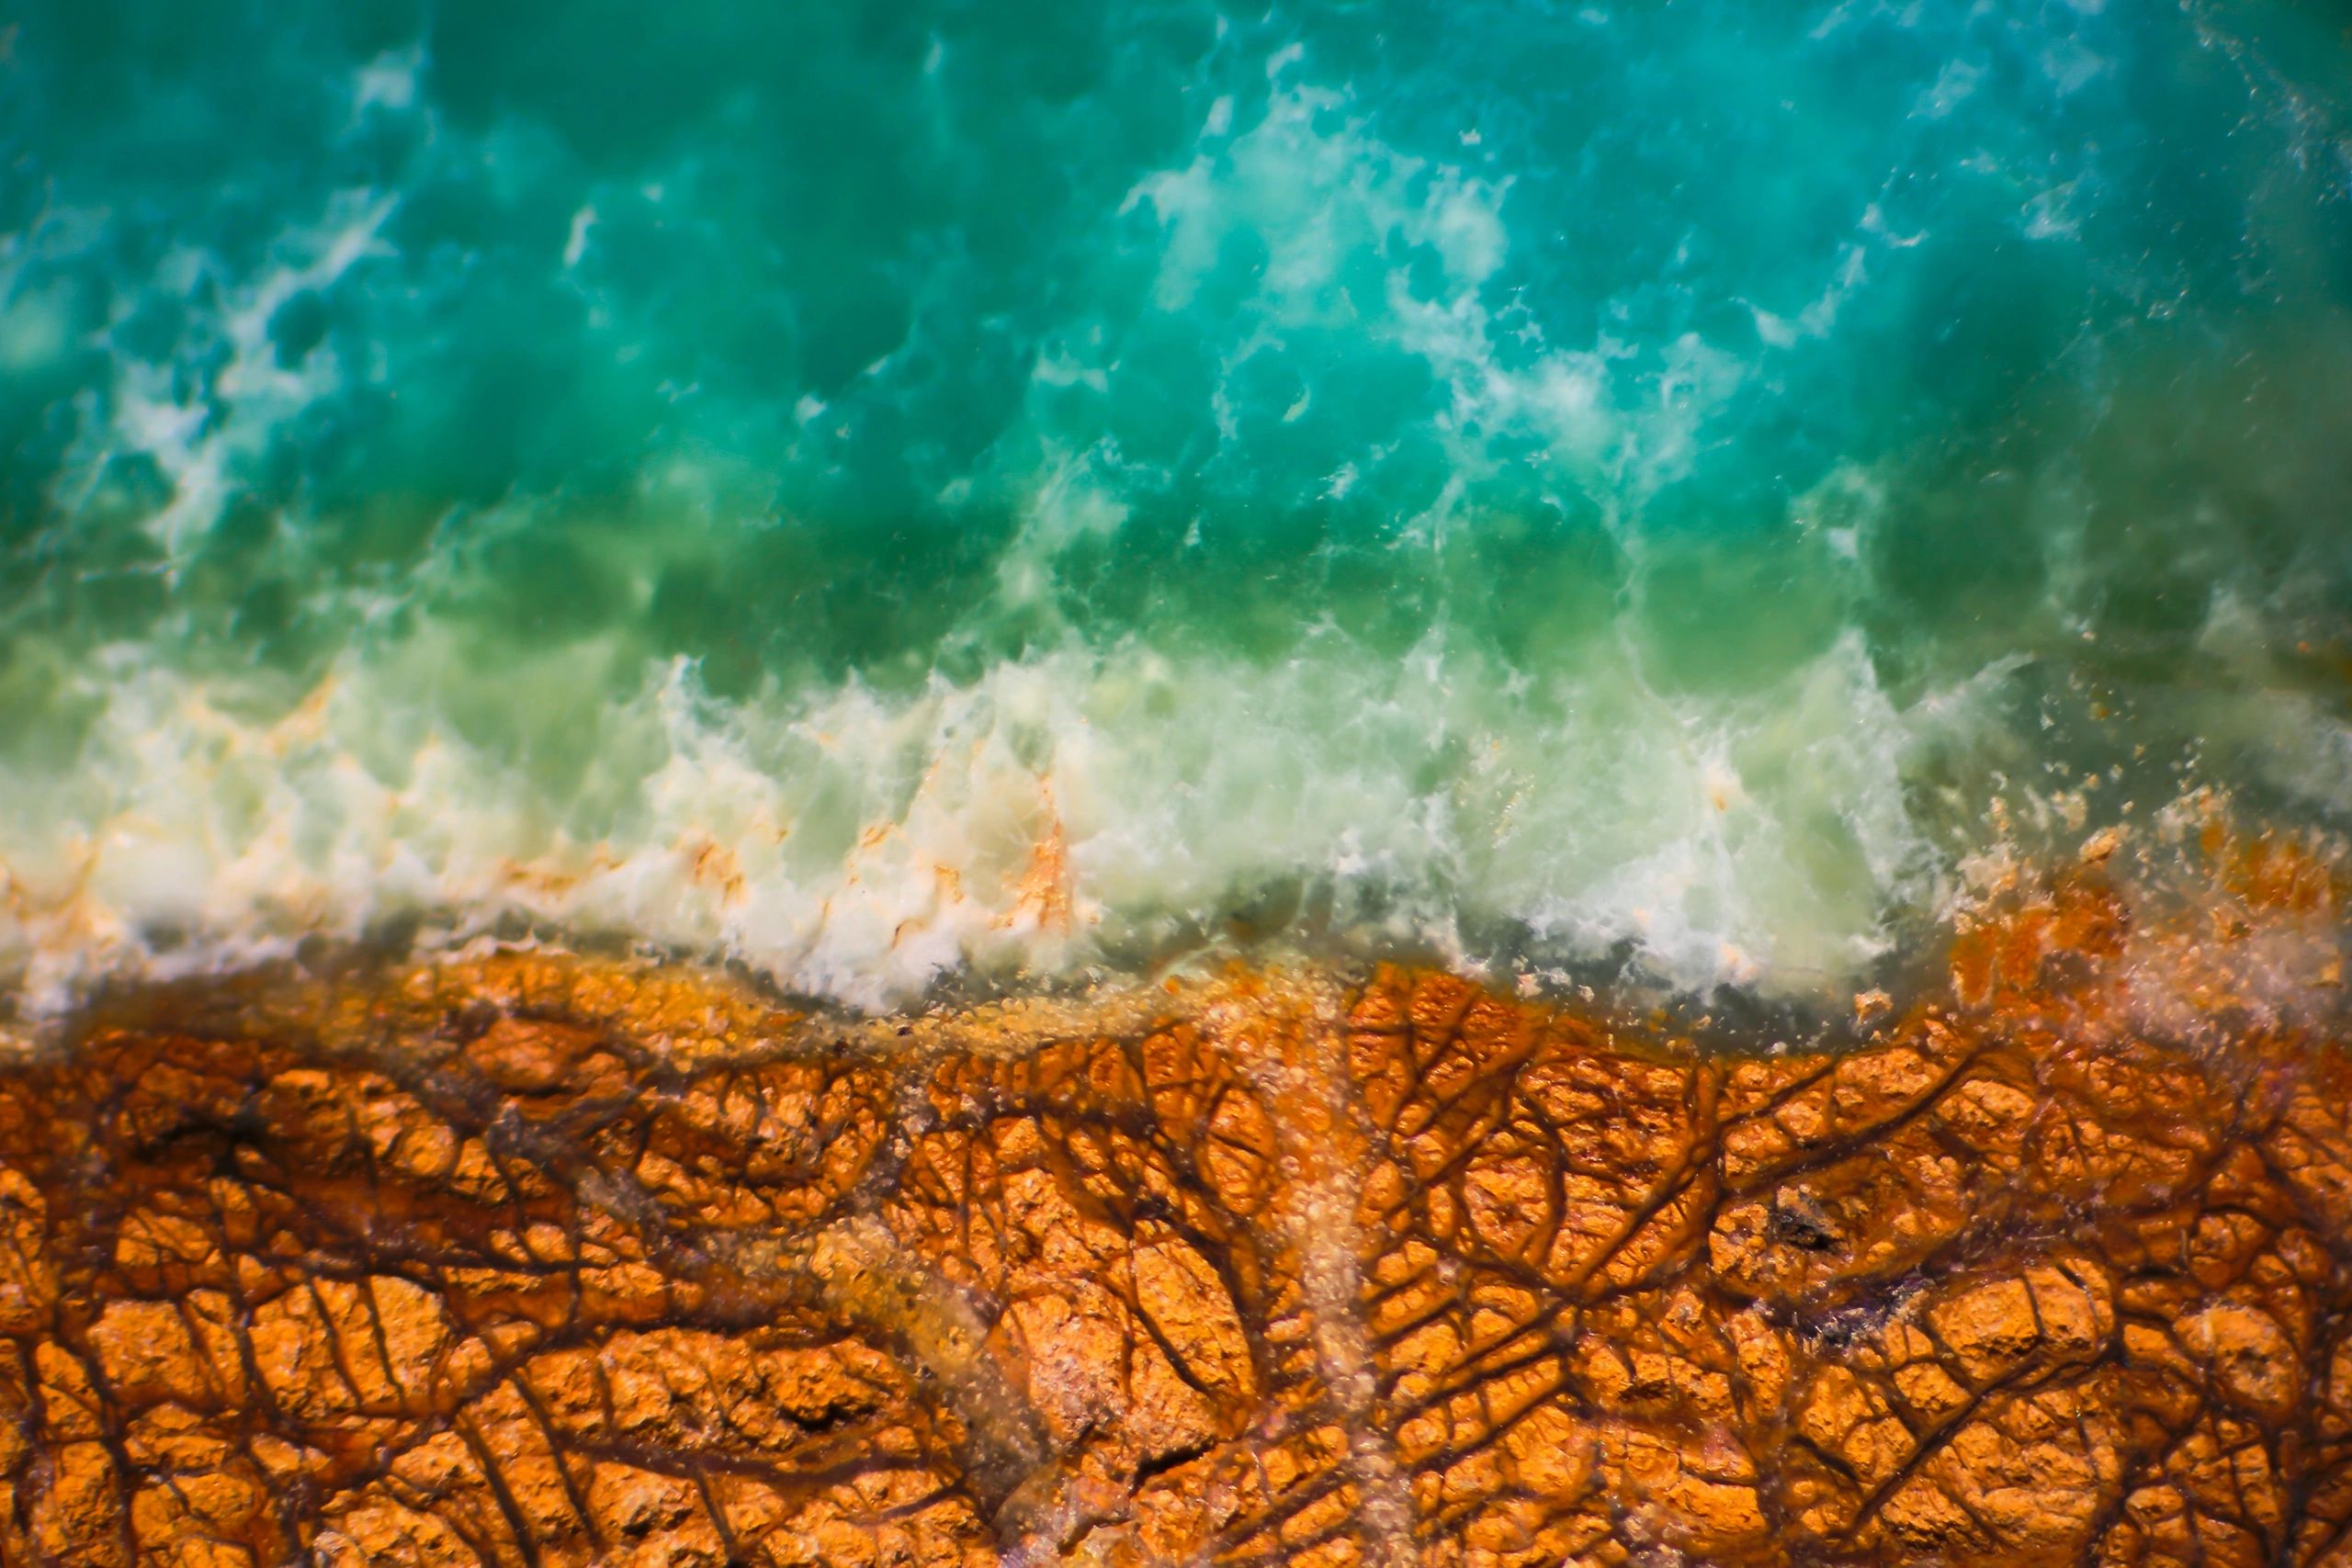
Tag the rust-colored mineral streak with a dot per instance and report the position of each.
(526, 1259)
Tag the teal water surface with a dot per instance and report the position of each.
(898, 491)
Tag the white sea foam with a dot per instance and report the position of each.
(1620, 416)
(1062, 812)
(199, 434)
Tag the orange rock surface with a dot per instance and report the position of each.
(536, 1261)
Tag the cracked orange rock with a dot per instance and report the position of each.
(540, 1260)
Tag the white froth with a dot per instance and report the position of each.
(1055, 814)
(1314, 185)
(196, 434)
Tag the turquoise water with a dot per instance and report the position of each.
(903, 491)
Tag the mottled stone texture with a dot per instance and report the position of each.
(534, 1260)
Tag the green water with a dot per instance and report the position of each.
(898, 491)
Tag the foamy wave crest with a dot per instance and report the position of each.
(1074, 811)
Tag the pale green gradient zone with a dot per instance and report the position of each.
(1517, 481)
